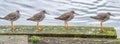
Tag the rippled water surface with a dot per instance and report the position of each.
(84, 8)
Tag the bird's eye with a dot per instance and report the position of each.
(44, 11)
(72, 11)
(18, 11)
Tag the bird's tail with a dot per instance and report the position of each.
(57, 18)
(29, 19)
(91, 16)
(1, 18)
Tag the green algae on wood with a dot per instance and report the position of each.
(74, 31)
(64, 40)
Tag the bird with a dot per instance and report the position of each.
(102, 17)
(66, 17)
(38, 17)
(13, 16)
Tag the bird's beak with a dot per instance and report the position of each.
(113, 15)
(47, 13)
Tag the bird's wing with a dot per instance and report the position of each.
(64, 16)
(10, 16)
(37, 16)
(102, 16)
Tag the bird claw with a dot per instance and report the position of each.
(13, 29)
(66, 27)
(38, 30)
(103, 30)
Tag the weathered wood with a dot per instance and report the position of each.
(59, 31)
(13, 39)
(62, 35)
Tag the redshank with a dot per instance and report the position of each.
(37, 18)
(102, 17)
(13, 16)
(66, 17)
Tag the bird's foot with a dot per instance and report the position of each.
(103, 30)
(64, 26)
(67, 28)
(13, 29)
(38, 30)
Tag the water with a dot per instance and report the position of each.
(84, 8)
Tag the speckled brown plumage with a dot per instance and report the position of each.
(102, 17)
(66, 17)
(13, 16)
(37, 18)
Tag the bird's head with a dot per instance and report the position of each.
(17, 11)
(44, 11)
(110, 14)
(74, 12)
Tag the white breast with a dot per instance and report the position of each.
(107, 18)
(70, 18)
(43, 16)
(17, 17)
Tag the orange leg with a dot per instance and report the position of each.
(38, 27)
(12, 26)
(101, 26)
(66, 25)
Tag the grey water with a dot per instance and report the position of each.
(85, 9)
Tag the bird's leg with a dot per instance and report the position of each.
(101, 26)
(12, 26)
(38, 27)
(66, 25)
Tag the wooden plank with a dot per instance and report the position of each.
(59, 31)
(62, 35)
(13, 39)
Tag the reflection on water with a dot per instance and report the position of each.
(85, 8)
